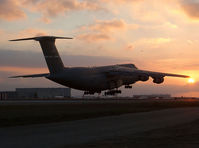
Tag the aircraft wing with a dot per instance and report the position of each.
(142, 75)
(159, 74)
(113, 73)
(32, 76)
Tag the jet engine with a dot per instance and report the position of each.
(158, 80)
(143, 77)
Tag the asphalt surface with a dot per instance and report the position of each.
(80, 101)
(69, 101)
(79, 132)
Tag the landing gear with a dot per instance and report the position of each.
(89, 93)
(112, 92)
(128, 86)
(92, 92)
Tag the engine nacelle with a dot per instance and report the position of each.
(158, 80)
(143, 78)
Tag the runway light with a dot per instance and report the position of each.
(191, 80)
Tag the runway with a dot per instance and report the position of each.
(73, 133)
(92, 101)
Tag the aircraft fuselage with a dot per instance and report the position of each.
(94, 78)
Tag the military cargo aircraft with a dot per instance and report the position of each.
(91, 80)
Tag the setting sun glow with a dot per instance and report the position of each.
(191, 80)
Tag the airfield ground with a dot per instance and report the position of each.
(178, 136)
(103, 123)
(13, 113)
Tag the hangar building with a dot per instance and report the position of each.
(36, 93)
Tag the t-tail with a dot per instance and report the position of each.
(50, 52)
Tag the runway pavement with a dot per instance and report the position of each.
(65, 134)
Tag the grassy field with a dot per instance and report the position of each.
(37, 113)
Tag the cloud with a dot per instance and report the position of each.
(152, 42)
(10, 10)
(53, 8)
(129, 47)
(121, 1)
(106, 25)
(159, 40)
(23, 70)
(15, 58)
(91, 37)
(31, 59)
(45, 20)
(103, 30)
(31, 32)
(1, 32)
(183, 66)
(191, 8)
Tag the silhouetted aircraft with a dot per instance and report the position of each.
(91, 79)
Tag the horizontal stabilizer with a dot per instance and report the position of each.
(40, 38)
(31, 76)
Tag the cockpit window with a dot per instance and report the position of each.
(129, 65)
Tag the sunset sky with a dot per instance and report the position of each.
(156, 35)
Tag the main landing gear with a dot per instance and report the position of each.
(112, 92)
(91, 92)
(107, 93)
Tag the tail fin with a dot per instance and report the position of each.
(50, 52)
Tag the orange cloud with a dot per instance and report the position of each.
(108, 26)
(102, 30)
(129, 47)
(121, 1)
(191, 8)
(105, 26)
(94, 37)
(152, 42)
(32, 32)
(45, 20)
(10, 10)
(53, 8)
(1, 31)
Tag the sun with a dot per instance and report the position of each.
(191, 80)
